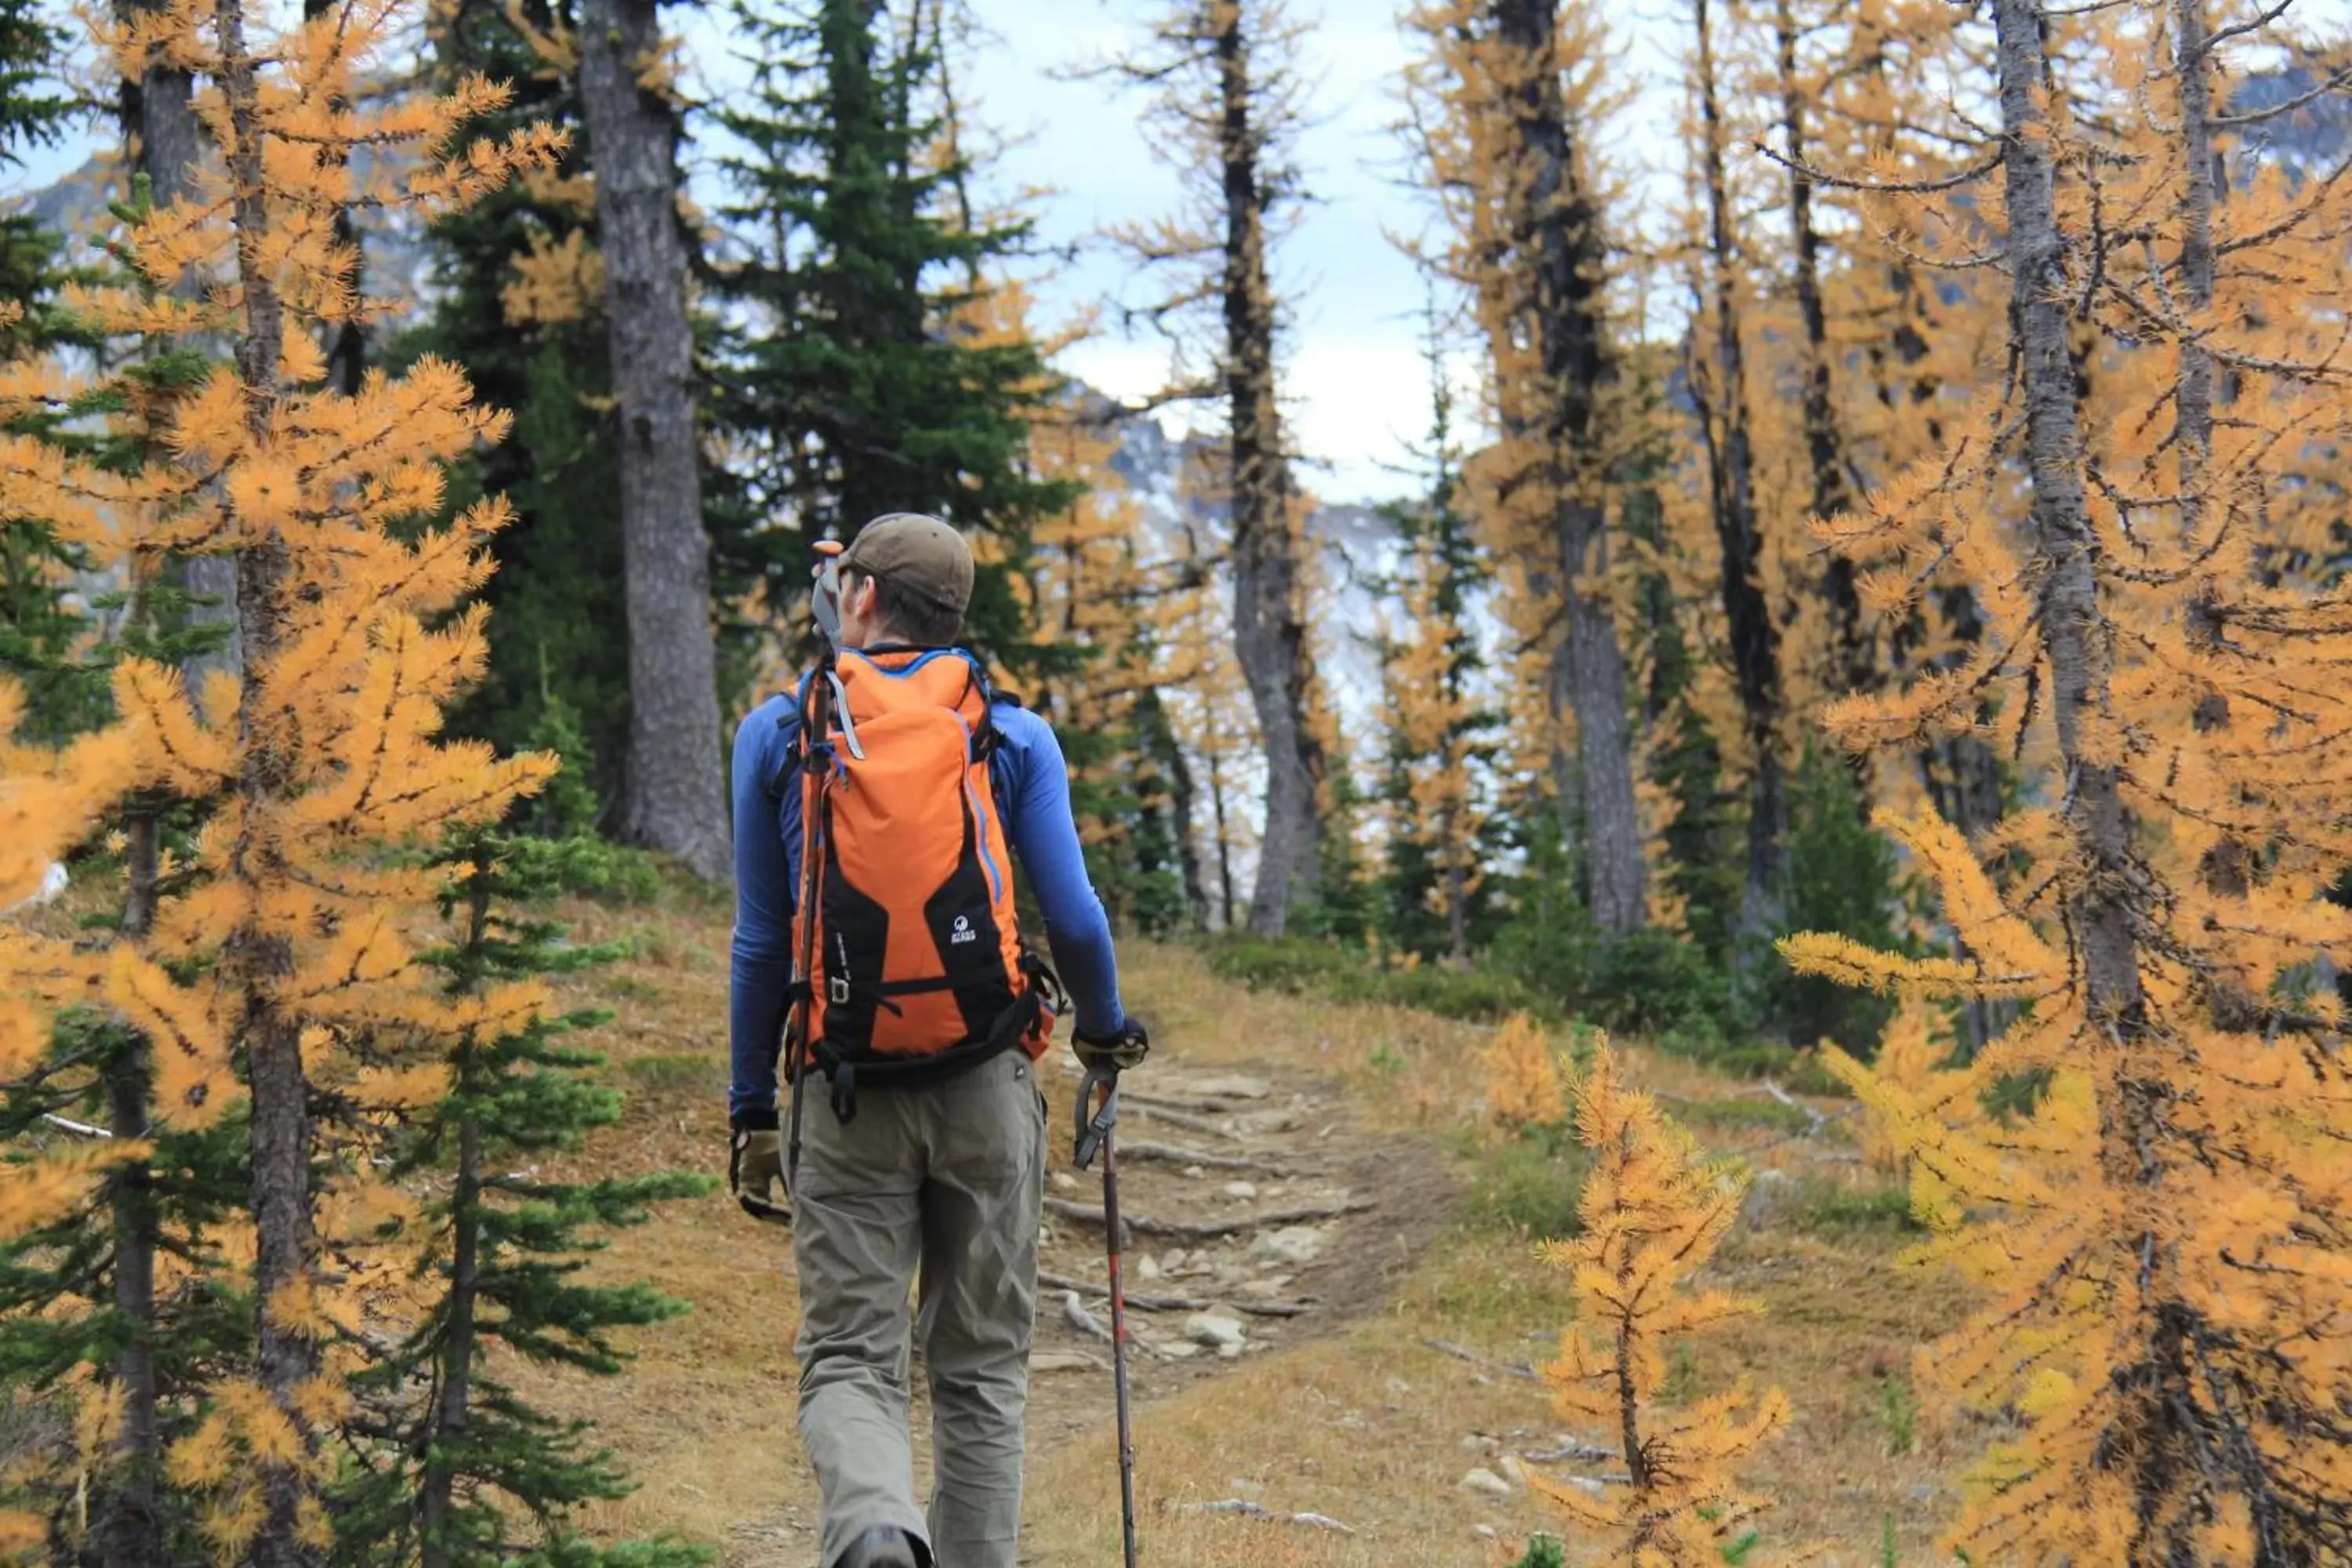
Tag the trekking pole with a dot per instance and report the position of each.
(1094, 1134)
(825, 606)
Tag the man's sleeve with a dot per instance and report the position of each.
(761, 965)
(1046, 838)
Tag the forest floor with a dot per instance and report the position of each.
(1423, 1306)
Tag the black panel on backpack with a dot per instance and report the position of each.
(856, 938)
(962, 923)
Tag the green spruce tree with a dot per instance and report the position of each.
(463, 1470)
(532, 341)
(44, 624)
(865, 378)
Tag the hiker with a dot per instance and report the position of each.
(924, 1130)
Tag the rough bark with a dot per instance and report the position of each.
(1854, 665)
(1557, 230)
(1731, 494)
(1269, 628)
(2076, 639)
(1457, 894)
(346, 342)
(130, 1534)
(674, 800)
(160, 139)
(1183, 797)
(452, 1405)
(257, 962)
(159, 127)
(1225, 890)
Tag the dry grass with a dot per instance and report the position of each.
(1360, 1421)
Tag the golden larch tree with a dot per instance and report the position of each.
(1654, 1210)
(2163, 1235)
(1508, 97)
(290, 941)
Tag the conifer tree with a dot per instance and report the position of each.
(1093, 605)
(457, 1467)
(1654, 1210)
(1854, 654)
(43, 632)
(280, 928)
(1440, 727)
(1511, 92)
(1719, 380)
(518, 300)
(675, 794)
(2166, 1221)
(874, 371)
(1227, 102)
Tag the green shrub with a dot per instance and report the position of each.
(1299, 967)
(1543, 1552)
(1529, 1184)
(1828, 1206)
(1842, 876)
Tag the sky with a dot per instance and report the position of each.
(1356, 385)
(1354, 377)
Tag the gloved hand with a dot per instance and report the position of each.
(1113, 1053)
(755, 1168)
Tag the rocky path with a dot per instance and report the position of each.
(1261, 1209)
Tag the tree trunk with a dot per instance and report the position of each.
(453, 1401)
(2075, 636)
(1183, 799)
(258, 963)
(1269, 632)
(346, 342)
(1731, 487)
(132, 1531)
(1224, 845)
(1854, 663)
(1559, 231)
(160, 140)
(1457, 887)
(159, 127)
(674, 800)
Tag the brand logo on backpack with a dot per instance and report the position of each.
(963, 932)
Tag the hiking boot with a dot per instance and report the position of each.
(880, 1546)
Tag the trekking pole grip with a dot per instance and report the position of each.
(1093, 1125)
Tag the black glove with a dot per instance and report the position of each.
(755, 1167)
(1112, 1053)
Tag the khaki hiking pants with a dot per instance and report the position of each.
(950, 1175)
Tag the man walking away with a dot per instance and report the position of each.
(924, 1130)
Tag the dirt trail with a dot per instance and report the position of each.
(1362, 1204)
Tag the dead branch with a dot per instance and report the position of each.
(1176, 1303)
(1075, 1312)
(1463, 1353)
(1175, 1154)
(1248, 1510)
(1212, 1229)
(1179, 1119)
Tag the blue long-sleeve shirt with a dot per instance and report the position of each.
(1032, 790)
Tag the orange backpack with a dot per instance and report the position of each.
(919, 969)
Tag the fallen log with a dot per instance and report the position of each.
(1176, 1154)
(1210, 1229)
(1248, 1510)
(1075, 1312)
(1205, 1105)
(1571, 1453)
(1463, 1353)
(1179, 1119)
(1149, 1303)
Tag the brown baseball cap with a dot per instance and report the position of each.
(920, 554)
